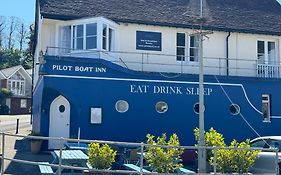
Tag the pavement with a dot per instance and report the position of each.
(19, 147)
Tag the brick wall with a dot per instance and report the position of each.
(16, 107)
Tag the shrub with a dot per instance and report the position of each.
(228, 160)
(101, 157)
(163, 160)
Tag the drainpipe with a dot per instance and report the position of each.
(227, 53)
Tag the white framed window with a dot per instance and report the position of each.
(16, 84)
(23, 103)
(266, 52)
(78, 37)
(193, 48)
(90, 36)
(187, 47)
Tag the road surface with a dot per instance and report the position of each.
(8, 123)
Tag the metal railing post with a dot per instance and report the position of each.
(141, 158)
(276, 162)
(3, 155)
(60, 162)
(215, 160)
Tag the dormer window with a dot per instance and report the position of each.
(87, 34)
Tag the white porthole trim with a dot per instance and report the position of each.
(161, 107)
(122, 106)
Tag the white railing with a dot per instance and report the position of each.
(142, 147)
(268, 71)
(151, 62)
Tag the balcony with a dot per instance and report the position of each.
(151, 62)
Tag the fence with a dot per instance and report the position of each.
(142, 147)
(151, 62)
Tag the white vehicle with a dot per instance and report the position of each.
(266, 160)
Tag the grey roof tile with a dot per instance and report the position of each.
(250, 16)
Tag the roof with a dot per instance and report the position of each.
(247, 16)
(10, 71)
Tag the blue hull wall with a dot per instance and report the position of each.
(87, 89)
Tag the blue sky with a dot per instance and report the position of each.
(23, 9)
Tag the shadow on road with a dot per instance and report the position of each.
(22, 151)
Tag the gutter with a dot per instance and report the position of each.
(227, 54)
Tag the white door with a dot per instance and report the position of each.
(59, 121)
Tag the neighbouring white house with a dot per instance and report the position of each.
(18, 81)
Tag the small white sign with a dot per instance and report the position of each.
(96, 116)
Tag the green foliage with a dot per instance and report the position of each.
(9, 58)
(101, 157)
(242, 160)
(228, 160)
(4, 93)
(163, 160)
(212, 138)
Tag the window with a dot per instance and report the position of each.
(266, 52)
(194, 48)
(190, 50)
(104, 37)
(196, 108)
(78, 37)
(122, 106)
(266, 107)
(85, 37)
(16, 84)
(234, 109)
(181, 46)
(23, 103)
(91, 36)
(110, 38)
(161, 107)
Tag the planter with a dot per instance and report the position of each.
(35, 146)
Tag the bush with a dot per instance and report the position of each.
(228, 160)
(101, 157)
(163, 160)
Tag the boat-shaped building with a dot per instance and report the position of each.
(118, 70)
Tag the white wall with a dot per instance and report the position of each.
(242, 49)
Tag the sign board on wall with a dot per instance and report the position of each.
(96, 116)
(149, 41)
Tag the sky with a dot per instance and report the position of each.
(23, 9)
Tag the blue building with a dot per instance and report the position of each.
(118, 70)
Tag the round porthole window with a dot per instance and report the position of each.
(122, 106)
(161, 107)
(61, 108)
(196, 108)
(234, 109)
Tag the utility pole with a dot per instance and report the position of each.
(201, 140)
